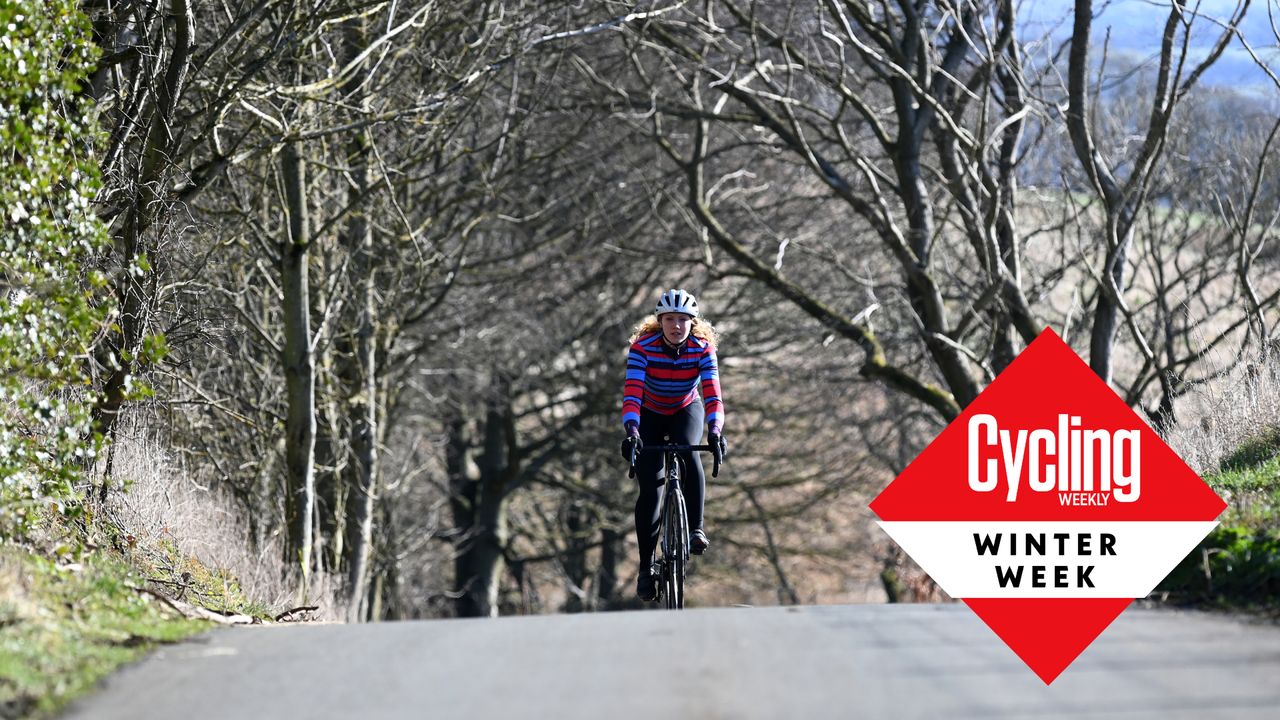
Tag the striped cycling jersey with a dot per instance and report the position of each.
(664, 384)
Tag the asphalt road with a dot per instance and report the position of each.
(883, 661)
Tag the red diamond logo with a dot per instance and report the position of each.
(1048, 506)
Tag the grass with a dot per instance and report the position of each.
(1254, 453)
(1249, 480)
(1237, 567)
(184, 577)
(64, 627)
(76, 598)
(1252, 494)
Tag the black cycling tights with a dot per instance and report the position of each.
(682, 428)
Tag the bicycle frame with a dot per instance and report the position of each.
(674, 523)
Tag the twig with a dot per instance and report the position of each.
(304, 608)
(190, 611)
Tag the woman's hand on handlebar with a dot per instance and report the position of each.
(718, 450)
(630, 448)
(631, 445)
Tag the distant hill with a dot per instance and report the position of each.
(1135, 27)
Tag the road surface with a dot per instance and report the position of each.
(882, 661)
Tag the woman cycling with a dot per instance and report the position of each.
(672, 353)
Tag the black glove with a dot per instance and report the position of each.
(718, 450)
(628, 443)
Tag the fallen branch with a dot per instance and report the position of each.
(285, 616)
(195, 612)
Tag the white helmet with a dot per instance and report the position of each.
(677, 301)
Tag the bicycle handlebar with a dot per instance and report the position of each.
(715, 470)
(677, 448)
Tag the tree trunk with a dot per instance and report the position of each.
(1106, 315)
(389, 606)
(134, 301)
(607, 577)
(365, 406)
(364, 427)
(332, 495)
(481, 509)
(575, 558)
(299, 367)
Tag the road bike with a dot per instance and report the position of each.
(672, 567)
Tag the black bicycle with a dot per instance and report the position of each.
(674, 563)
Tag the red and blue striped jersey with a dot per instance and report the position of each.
(665, 384)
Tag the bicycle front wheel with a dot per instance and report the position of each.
(673, 574)
(681, 559)
(676, 547)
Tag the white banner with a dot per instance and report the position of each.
(972, 559)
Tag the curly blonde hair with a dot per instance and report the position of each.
(702, 329)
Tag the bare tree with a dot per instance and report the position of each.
(907, 122)
(139, 84)
(1124, 196)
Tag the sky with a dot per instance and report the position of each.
(1136, 26)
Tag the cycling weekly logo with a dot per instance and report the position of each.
(1048, 505)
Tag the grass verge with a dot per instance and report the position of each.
(166, 569)
(65, 626)
(1237, 567)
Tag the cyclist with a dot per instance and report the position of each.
(672, 357)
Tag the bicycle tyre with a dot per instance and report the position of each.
(670, 552)
(678, 534)
(682, 552)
